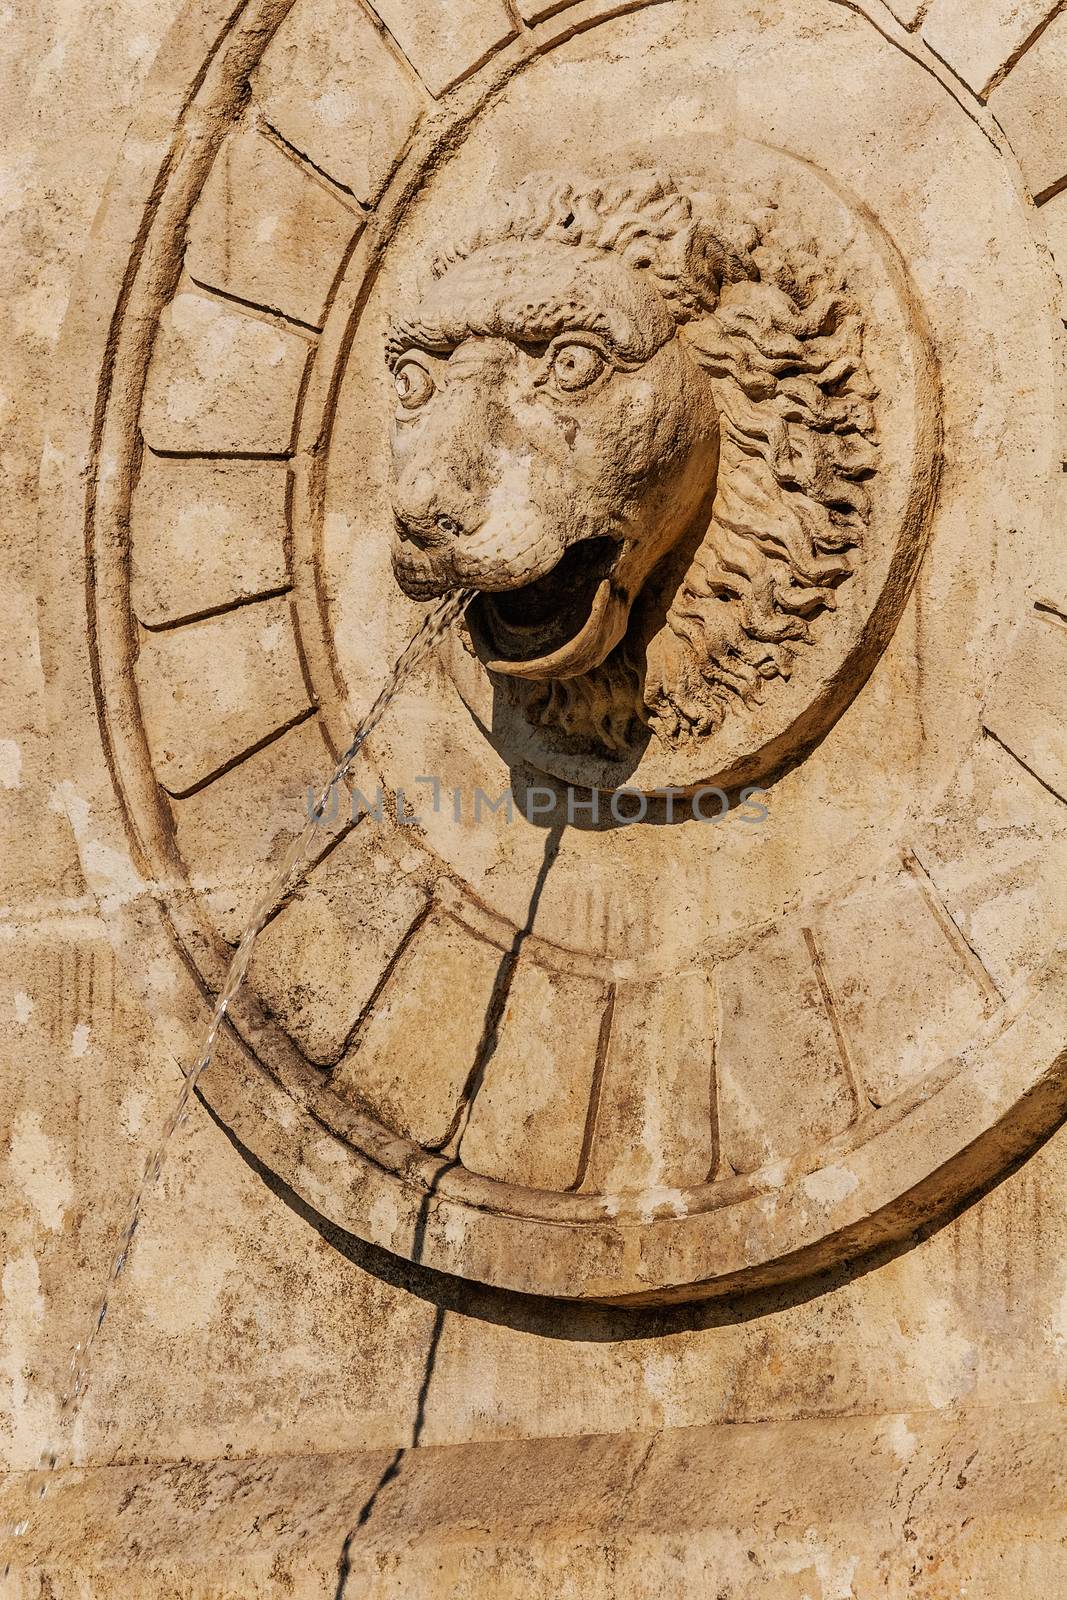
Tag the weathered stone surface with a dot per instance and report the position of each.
(282, 259)
(878, 1508)
(906, 986)
(775, 1006)
(215, 690)
(221, 382)
(1029, 106)
(425, 1033)
(1054, 217)
(1006, 896)
(657, 1112)
(213, 535)
(535, 10)
(909, 12)
(446, 44)
(238, 827)
(1024, 710)
(531, 1122)
(980, 39)
(330, 85)
(496, 1066)
(328, 928)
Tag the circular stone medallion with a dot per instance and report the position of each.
(779, 565)
(747, 437)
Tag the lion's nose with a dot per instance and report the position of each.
(427, 532)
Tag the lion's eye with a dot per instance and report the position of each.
(575, 366)
(414, 385)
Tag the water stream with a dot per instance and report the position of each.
(427, 637)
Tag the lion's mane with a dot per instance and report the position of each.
(782, 340)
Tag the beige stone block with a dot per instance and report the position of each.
(557, 20)
(1031, 107)
(267, 229)
(1026, 708)
(36, 844)
(782, 1082)
(221, 381)
(214, 690)
(535, 1103)
(446, 43)
(425, 1031)
(978, 38)
(995, 848)
(656, 1126)
(935, 1504)
(1054, 216)
(334, 90)
(320, 960)
(204, 535)
(236, 829)
(909, 990)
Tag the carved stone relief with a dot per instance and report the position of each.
(750, 459)
(639, 419)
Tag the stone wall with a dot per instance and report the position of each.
(301, 1387)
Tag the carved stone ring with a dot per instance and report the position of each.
(741, 420)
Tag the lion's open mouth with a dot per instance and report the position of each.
(543, 617)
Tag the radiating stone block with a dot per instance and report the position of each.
(1005, 883)
(1031, 107)
(213, 690)
(909, 990)
(658, 1102)
(204, 535)
(1026, 708)
(320, 960)
(268, 229)
(530, 1116)
(783, 1084)
(235, 830)
(978, 38)
(446, 43)
(221, 381)
(333, 88)
(422, 1040)
(338, 95)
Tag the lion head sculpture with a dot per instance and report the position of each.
(637, 421)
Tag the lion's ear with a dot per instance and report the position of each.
(707, 263)
(693, 266)
(690, 268)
